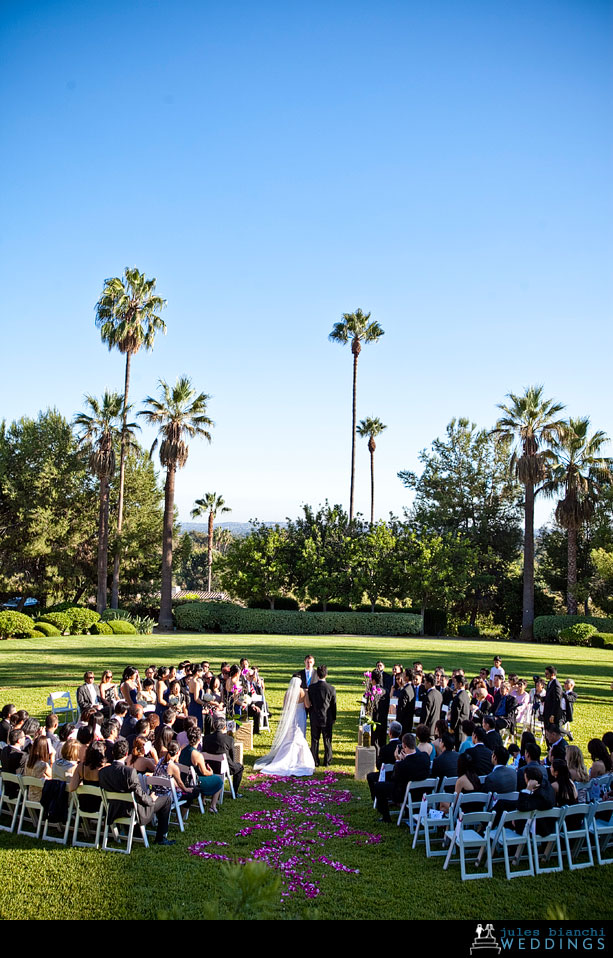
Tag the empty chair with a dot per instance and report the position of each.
(513, 841)
(412, 798)
(129, 819)
(549, 836)
(601, 827)
(472, 833)
(575, 829)
(60, 703)
(430, 820)
(10, 799)
(88, 809)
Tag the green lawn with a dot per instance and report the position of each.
(56, 882)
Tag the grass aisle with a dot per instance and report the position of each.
(63, 883)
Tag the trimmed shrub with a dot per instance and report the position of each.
(121, 627)
(599, 641)
(15, 624)
(101, 628)
(45, 628)
(547, 628)
(61, 620)
(81, 620)
(469, 631)
(226, 617)
(37, 634)
(577, 634)
(109, 614)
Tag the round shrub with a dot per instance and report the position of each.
(37, 634)
(468, 631)
(45, 628)
(15, 624)
(81, 620)
(121, 627)
(101, 628)
(599, 641)
(61, 620)
(578, 634)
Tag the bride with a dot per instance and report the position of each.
(290, 754)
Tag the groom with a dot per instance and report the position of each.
(323, 714)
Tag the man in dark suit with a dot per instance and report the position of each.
(387, 680)
(405, 706)
(480, 753)
(459, 710)
(492, 735)
(552, 704)
(308, 674)
(386, 756)
(220, 743)
(503, 777)
(411, 766)
(532, 758)
(322, 698)
(431, 704)
(446, 764)
(119, 778)
(13, 759)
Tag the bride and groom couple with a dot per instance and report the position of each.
(308, 691)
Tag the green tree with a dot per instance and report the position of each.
(356, 329)
(375, 565)
(212, 504)
(257, 566)
(371, 427)
(435, 569)
(531, 423)
(178, 416)
(465, 489)
(99, 433)
(128, 317)
(320, 543)
(47, 510)
(579, 475)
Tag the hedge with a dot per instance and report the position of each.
(15, 623)
(548, 627)
(121, 627)
(578, 634)
(227, 617)
(46, 628)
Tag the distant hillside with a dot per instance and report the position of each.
(236, 528)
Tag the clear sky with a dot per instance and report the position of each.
(445, 165)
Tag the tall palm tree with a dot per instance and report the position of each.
(180, 415)
(99, 434)
(356, 329)
(579, 475)
(371, 427)
(211, 503)
(530, 422)
(128, 317)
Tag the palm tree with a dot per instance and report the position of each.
(99, 435)
(127, 315)
(356, 329)
(530, 422)
(211, 503)
(371, 427)
(180, 415)
(579, 474)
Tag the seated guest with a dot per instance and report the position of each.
(601, 759)
(440, 729)
(51, 727)
(468, 780)
(88, 694)
(133, 716)
(5, 724)
(220, 743)
(13, 759)
(168, 767)
(110, 734)
(385, 756)
(208, 783)
(446, 764)
(562, 784)
(503, 777)
(422, 734)
(66, 761)
(576, 765)
(137, 759)
(107, 689)
(532, 759)
(146, 697)
(492, 735)
(38, 765)
(87, 772)
(410, 766)
(468, 727)
(556, 743)
(119, 778)
(481, 754)
(537, 795)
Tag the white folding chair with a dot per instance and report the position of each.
(60, 703)
(412, 799)
(579, 834)
(551, 840)
(471, 833)
(130, 820)
(448, 783)
(188, 773)
(469, 798)
(221, 759)
(34, 809)
(382, 774)
(431, 820)
(83, 817)
(10, 806)
(511, 840)
(177, 803)
(601, 827)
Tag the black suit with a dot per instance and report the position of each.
(413, 768)
(552, 705)
(218, 743)
(459, 712)
(482, 759)
(13, 760)
(386, 756)
(119, 778)
(431, 706)
(445, 764)
(303, 678)
(405, 708)
(323, 716)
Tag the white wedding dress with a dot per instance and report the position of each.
(290, 754)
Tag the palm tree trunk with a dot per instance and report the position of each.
(527, 626)
(122, 473)
(103, 545)
(165, 619)
(372, 488)
(209, 558)
(353, 424)
(571, 597)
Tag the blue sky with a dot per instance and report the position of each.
(444, 165)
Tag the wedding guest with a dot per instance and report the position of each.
(601, 759)
(38, 765)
